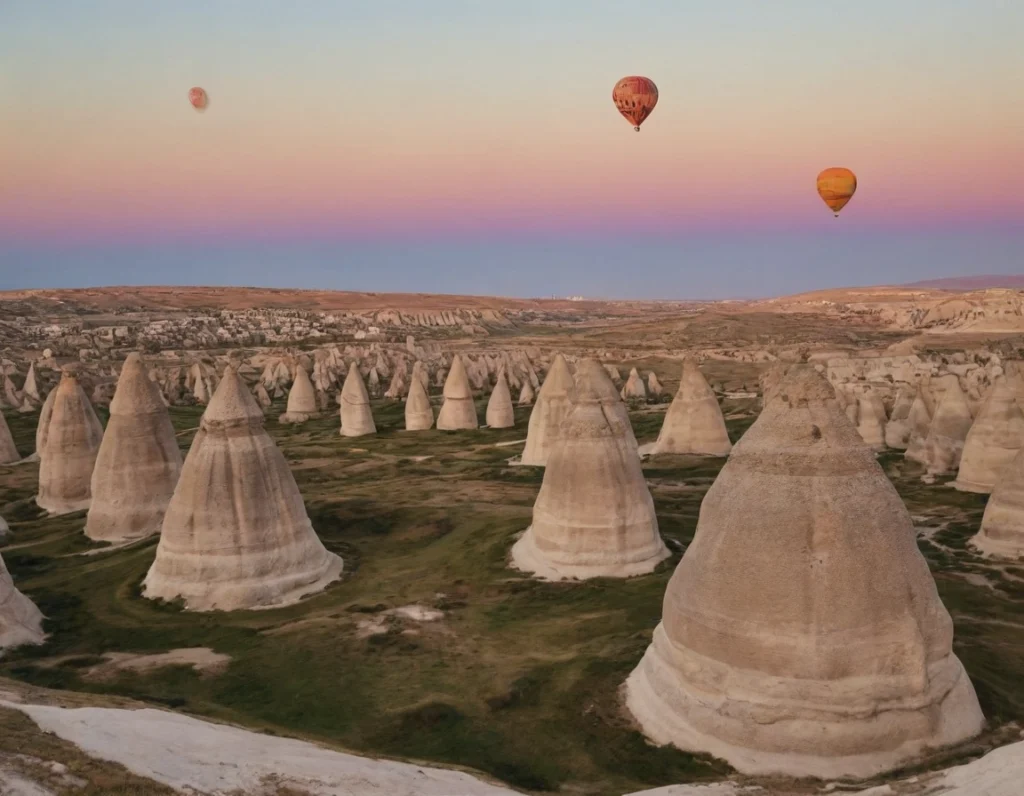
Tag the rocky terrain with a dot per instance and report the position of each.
(189, 333)
(234, 514)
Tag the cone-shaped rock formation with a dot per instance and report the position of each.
(419, 371)
(634, 387)
(138, 463)
(31, 388)
(301, 399)
(500, 413)
(526, 394)
(69, 441)
(993, 441)
(693, 422)
(419, 414)
(920, 421)
(236, 534)
(594, 516)
(20, 620)
(554, 401)
(601, 383)
(458, 410)
(802, 633)
(948, 431)
(44, 420)
(1002, 526)
(871, 421)
(262, 396)
(897, 430)
(356, 417)
(8, 452)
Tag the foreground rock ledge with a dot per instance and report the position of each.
(200, 757)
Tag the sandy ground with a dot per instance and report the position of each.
(201, 659)
(207, 759)
(380, 623)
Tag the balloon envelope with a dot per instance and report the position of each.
(836, 187)
(635, 97)
(198, 98)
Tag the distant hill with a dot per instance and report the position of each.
(965, 283)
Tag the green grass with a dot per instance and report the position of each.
(519, 680)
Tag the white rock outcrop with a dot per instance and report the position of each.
(920, 421)
(948, 431)
(554, 401)
(8, 452)
(301, 399)
(138, 462)
(458, 412)
(693, 422)
(68, 440)
(600, 382)
(236, 534)
(871, 421)
(20, 620)
(996, 436)
(594, 516)
(802, 633)
(1002, 526)
(897, 430)
(196, 757)
(500, 413)
(419, 414)
(356, 416)
(634, 388)
(31, 388)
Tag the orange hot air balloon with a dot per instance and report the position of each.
(198, 98)
(836, 187)
(635, 97)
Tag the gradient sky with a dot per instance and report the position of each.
(471, 146)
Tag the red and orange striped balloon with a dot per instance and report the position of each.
(635, 98)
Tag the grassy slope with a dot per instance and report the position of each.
(519, 680)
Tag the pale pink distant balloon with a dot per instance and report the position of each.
(198, 98)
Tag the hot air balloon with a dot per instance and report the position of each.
(198, 98)
(635, 97)
(836, 187)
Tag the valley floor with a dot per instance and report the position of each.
(430, 649)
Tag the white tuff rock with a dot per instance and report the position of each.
(594, 516)
(301, 399)
(693, 422)
(996, 436)
(356, 417)
(236, 535)
(802, 633)
(68, 440)
(553, 404)
(500, 413)
(138, 462)
(419, 414)
(20, 620)
(458, 412)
